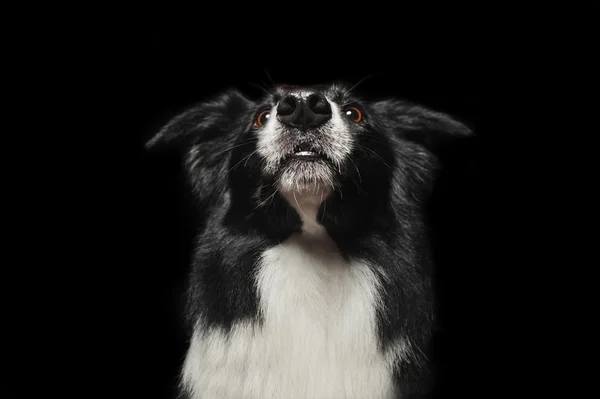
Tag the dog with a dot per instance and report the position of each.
(312, 271)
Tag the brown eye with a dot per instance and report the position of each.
(262, 118)
(354, 114)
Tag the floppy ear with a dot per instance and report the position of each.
(423, 126)
(202, 122)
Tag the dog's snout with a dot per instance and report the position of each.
(318, 104)
(287, 106)
(304, 112)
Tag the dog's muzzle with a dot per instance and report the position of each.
(303, 111)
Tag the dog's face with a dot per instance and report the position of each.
(306, 138)
(319, 141)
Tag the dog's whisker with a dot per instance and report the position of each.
(376, 154)
(297, 204)
(269, 77)
(229, 149)
(357, 84)
(262, 88)
(270, 197)
(246, 158)
(324, 202)
(368, 137)
(356, 167)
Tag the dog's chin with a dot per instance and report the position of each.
(307, 175)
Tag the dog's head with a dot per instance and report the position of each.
(321, 142)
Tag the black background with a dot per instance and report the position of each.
(154, 74)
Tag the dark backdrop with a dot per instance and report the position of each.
(157, 73)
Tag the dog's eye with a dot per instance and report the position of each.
(354, 114)
(262, 118)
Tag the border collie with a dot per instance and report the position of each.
(312, 273)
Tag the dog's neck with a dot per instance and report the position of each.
(307, 206)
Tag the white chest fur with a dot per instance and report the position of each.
(318, 338)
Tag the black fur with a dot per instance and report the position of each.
(378, 213)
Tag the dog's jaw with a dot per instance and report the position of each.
(284, 154)
(310, 178)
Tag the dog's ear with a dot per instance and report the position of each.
(418, 124)
(202, 122)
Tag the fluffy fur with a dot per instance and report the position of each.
(311, 278)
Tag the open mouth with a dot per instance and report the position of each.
(306, 169)
(306, 153)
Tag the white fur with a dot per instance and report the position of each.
(318, 339)
(335, 138)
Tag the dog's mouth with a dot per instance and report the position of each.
(304, 152)
(306, 169)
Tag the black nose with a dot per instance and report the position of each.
(304, 112)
